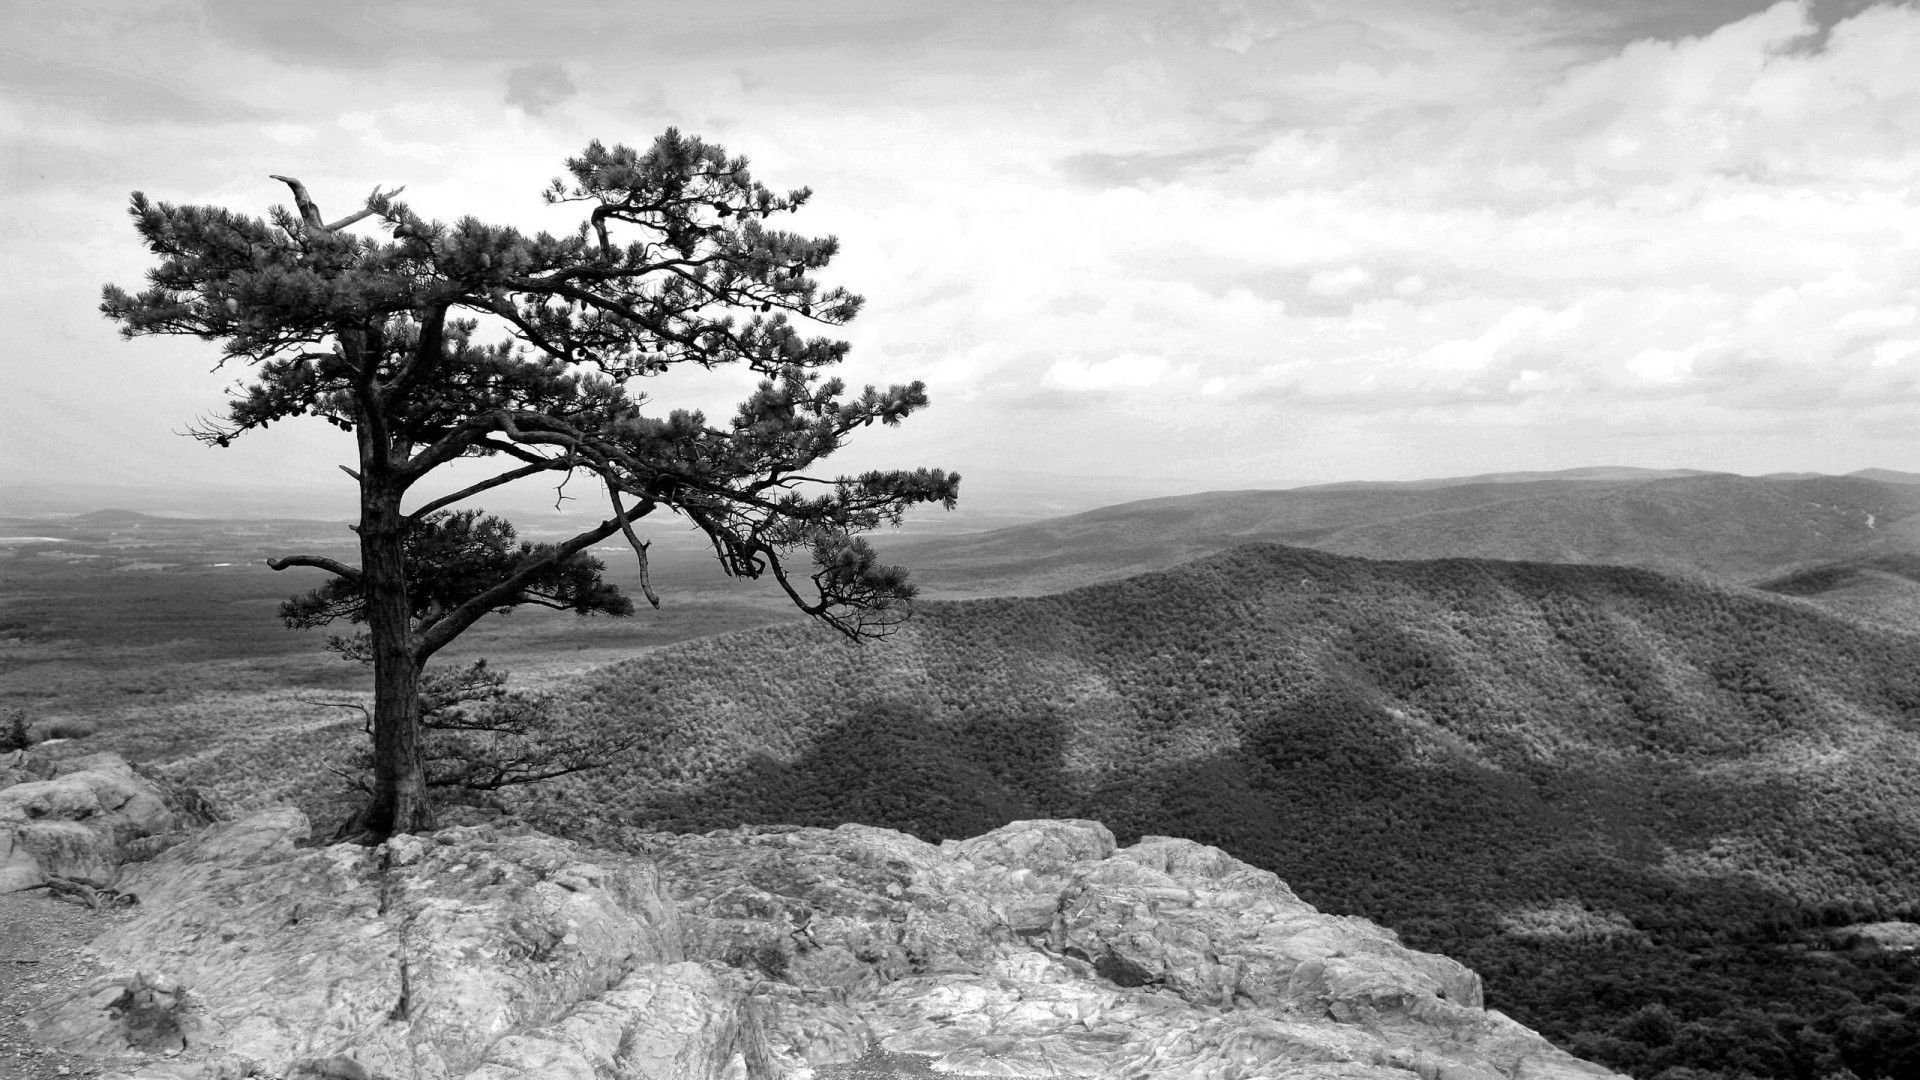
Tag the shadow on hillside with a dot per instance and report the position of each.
(1317, 791)
(886, 765)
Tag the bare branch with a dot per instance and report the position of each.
(364, 212)
(333, 566)
(368, 727)
(309, 213)
(350, 472)
(639, 549)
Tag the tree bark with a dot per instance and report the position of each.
(399, 803)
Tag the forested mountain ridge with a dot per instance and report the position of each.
(1733, 528)
(1608, 789)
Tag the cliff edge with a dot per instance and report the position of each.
(494, 952)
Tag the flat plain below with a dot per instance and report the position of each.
(160, 637)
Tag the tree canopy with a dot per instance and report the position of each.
(432, 343)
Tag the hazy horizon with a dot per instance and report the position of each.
(1145, 247)
(1028, 497)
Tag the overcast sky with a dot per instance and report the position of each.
(1175, 245)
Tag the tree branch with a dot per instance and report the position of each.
(435, 637)
(363, 212)
(535, 600)
(309, 213)
(472, 432)
(639, 549)
(332, 566)
(510, 450)
(430, 349)
(504, 478)
(367, 716)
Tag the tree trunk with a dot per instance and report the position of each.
(399, 803)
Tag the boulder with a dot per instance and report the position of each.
(1041, 949)
(76, 819)
(1044, 949)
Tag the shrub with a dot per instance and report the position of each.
(14, 734)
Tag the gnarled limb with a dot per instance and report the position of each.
(332, 566)
(310, 213)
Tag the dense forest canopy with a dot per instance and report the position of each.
(1644, 807)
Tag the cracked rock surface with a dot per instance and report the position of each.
(1037, 950)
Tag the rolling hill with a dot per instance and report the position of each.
(1733, 528)
(1644, 806)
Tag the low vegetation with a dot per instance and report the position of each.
(186, 666)
(14, 733)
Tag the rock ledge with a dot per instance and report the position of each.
(1040, 949)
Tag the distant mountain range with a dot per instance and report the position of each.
(1603, 473)
(1890, 476)
(1732, 528)
(126, 519)
(1596, 784)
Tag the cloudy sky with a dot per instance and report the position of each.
(1142, 246)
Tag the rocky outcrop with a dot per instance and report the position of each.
(77, 819)
(1040, 949)
(420, 958)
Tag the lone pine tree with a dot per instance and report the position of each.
(673, 265)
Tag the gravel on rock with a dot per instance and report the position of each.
(42, 956)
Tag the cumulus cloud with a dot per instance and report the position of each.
(1307, 248)
(539, 87)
